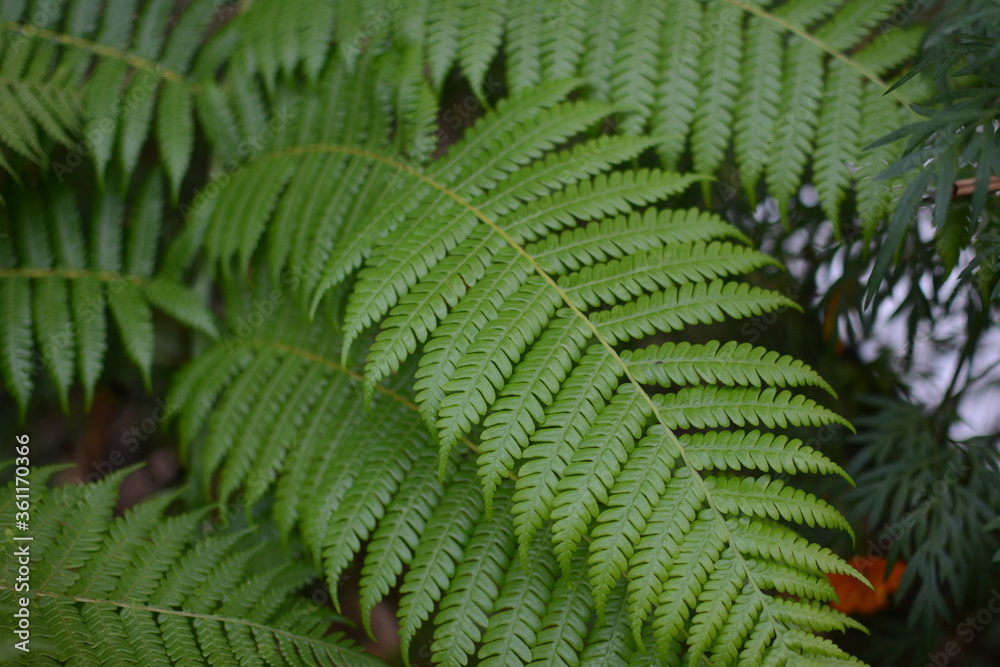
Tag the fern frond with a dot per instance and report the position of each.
(673, 308)
(712, 407)
(718, 73)
(595, 463)
(677, 87)
(772, 498)
(645, 271)
(562, 39)
(641, 483)
(523, 399)
(564, 626)
(760, 96)
(730, 364)
(34, 107)
(442, 33)
(307, 219)
(874, 195)
(837, 137)
(226, 609)
(439, 553)
(610, 642)
(524, 52)
(587, 390)
(600, 40)
(366, 501)
(393, 543)
(517, 613)
(385, 488)
(395, 265)
(482, 30)
(274, 39)
(61, 287)
(801, 91)
(465, 608)
(756, 451)
(635, 68)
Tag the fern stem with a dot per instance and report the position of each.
(34, 32)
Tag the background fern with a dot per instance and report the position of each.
(934, 485)
(200, 597)
(136, 73)
(955, 137)
(774, 81)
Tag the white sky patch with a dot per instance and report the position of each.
(808, 196)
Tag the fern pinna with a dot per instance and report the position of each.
(146, 588)
(65, 266)
(570, 470)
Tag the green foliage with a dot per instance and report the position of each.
(993, 525)
(957, 138)
(64, 267)
(201, 596)
(458, 361)
(512, 300)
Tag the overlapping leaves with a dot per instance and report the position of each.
(787, 85)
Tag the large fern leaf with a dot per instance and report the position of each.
(522, 291)
(700, 76)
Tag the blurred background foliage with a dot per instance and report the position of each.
(907, 310)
